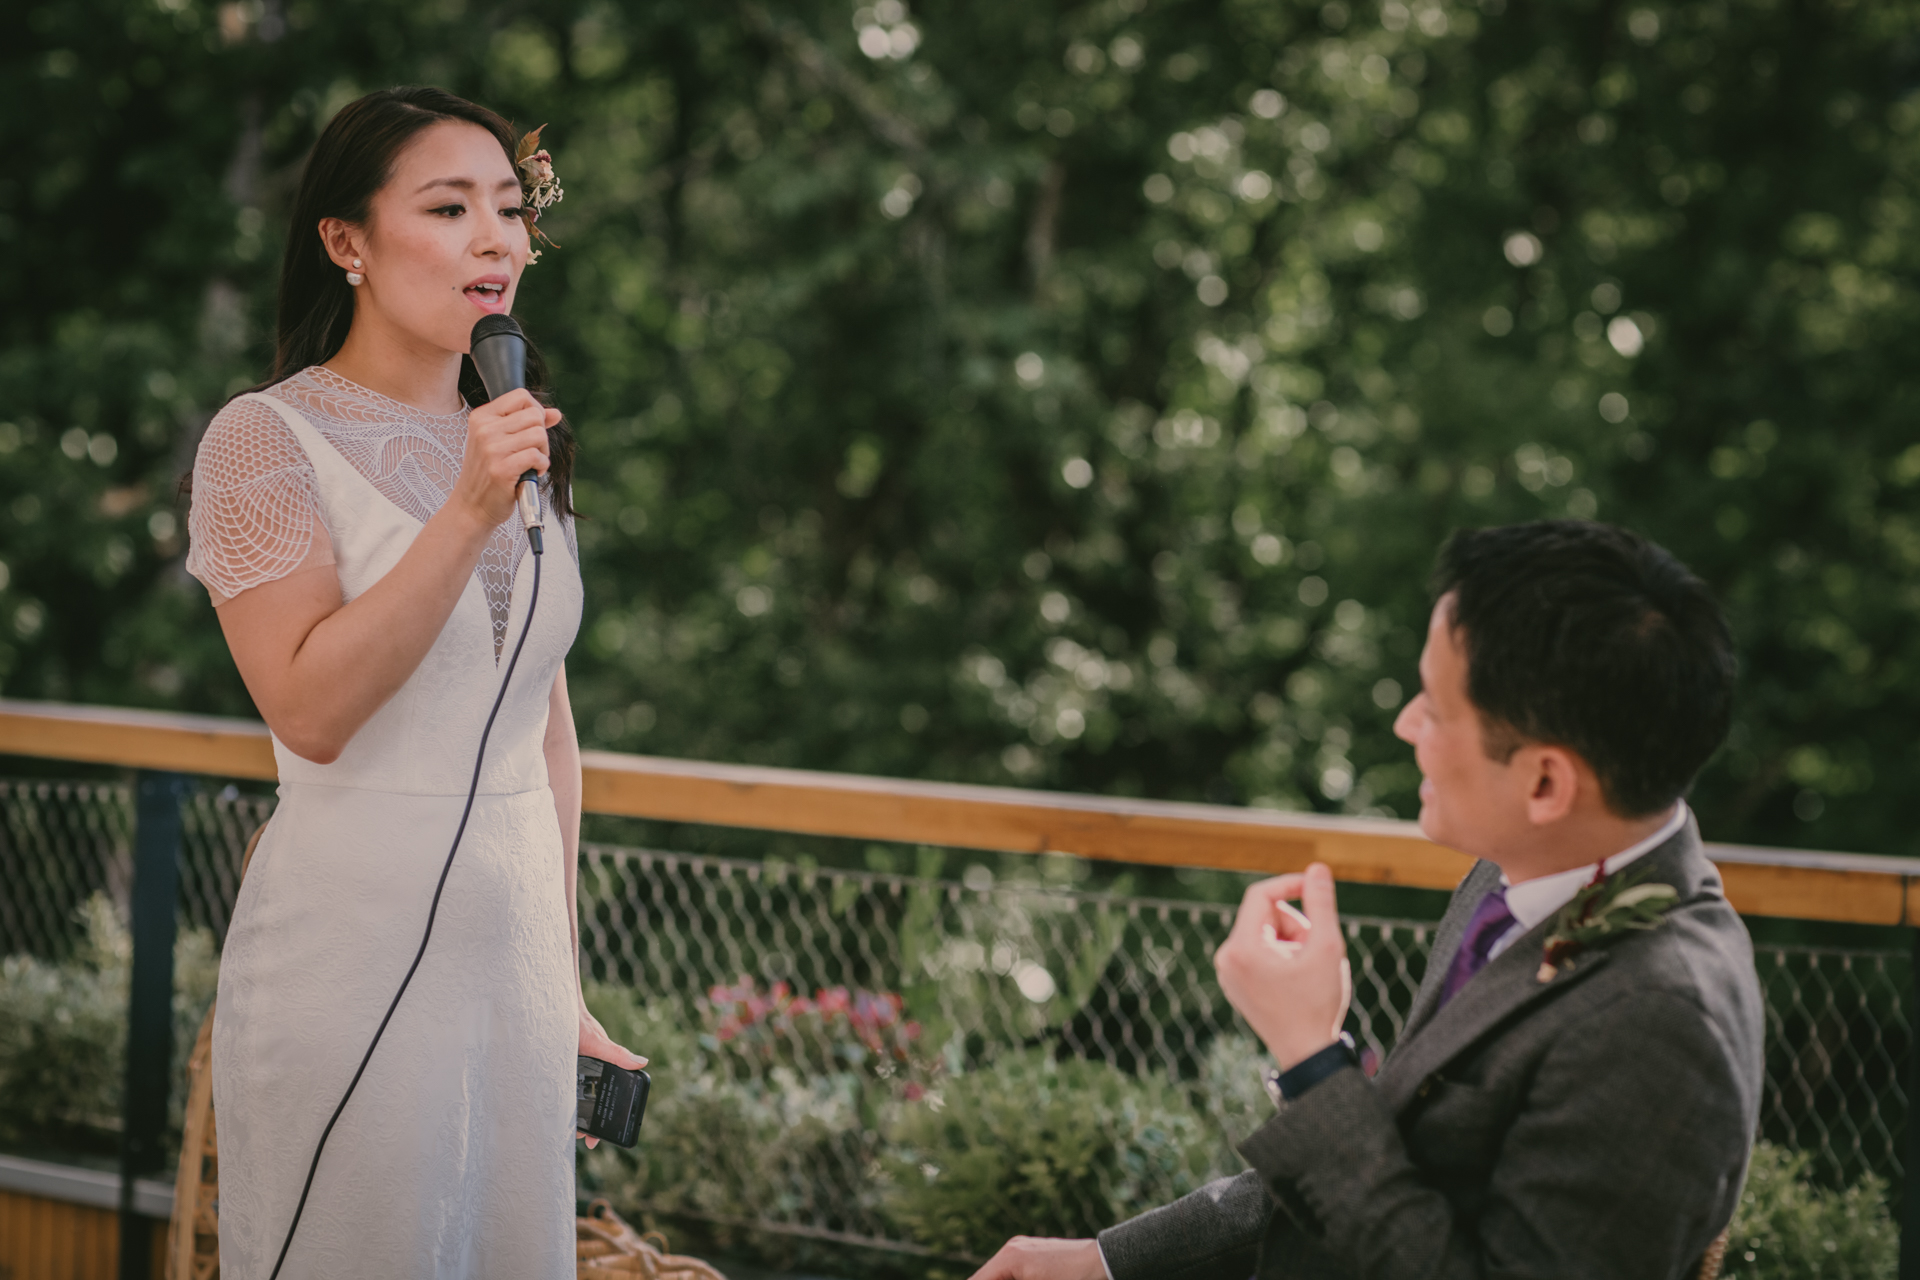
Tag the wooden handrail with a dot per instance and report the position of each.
(224, 747)
(1852, 888)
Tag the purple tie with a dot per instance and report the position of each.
(1491, 920)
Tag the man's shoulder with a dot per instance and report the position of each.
(1700, 944)
(1699, 950)
(1697, 964)
(1691, 976)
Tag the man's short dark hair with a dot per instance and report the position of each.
(1589, 637)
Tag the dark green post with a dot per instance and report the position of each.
(1910, 1181)
(156, 881)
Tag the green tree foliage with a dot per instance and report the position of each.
(1072, 394)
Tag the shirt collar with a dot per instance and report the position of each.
(1534, 900)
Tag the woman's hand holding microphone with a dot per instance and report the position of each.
(506, 438)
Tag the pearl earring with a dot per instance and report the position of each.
(354, 276)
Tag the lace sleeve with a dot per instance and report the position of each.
(255, 517)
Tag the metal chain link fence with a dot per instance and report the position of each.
(63, 842)
(864, 1056)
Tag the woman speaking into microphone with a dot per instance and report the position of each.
(354, 520)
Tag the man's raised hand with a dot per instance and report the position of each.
(1034, 1258)
(1285, 971)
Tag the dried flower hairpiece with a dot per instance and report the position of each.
(538, 187)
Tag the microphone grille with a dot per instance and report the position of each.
(492, 326)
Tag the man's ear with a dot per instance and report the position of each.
(343, 241)
(1553, 779)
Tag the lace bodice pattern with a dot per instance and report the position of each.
(256, 514)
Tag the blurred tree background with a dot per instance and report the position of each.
(1071, 395)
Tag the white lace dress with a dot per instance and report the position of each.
(455, 1156)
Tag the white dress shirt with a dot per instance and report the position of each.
(1532, 901)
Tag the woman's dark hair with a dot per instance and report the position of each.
(353, 159)
(1590, 637)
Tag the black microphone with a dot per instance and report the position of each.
(500, 355)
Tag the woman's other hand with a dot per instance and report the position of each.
(595, 1043)
(506, 438)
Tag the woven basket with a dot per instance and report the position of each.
(1716, 1254)
(606, 1246)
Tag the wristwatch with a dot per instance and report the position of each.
(1287, 1086)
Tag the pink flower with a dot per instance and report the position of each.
(538, 167)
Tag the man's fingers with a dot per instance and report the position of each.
(1346, 995)
(1288, 924)
(998, 1267)
(1040, 1258)
(1257, 904)
(1317, 897)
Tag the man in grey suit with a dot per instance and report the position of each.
(1577, 1085)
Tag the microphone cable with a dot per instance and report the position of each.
(473, 789)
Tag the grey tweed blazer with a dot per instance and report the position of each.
(1597, 1125)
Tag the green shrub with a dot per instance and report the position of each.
(1028, 1145)
(63, 1033)
(1231, 1091)
(1786, 1228)
(1031, 1146)
(723, 1144)
(656, 1030)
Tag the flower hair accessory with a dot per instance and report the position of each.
(538, 186)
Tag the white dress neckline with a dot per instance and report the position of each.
(256, 508)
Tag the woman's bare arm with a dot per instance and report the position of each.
(319, 668)
(562, 748)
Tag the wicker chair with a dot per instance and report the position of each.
(606, 1247)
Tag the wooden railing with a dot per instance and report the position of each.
(1855, 888)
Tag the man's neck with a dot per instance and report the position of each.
(1578, 841)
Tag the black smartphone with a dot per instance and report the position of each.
(611, 1101)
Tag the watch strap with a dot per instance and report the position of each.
(1289, 1085)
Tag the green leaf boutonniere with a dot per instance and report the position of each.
(1603, 907)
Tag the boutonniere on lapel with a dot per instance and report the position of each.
(1604, 907)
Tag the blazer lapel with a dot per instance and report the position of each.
(1446, 941)
(1435, 1034)
(1508, 984)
